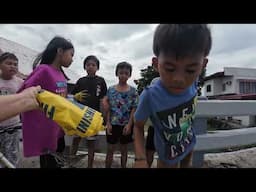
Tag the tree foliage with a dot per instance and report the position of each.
(147, 75)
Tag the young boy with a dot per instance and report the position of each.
(89, 91)
(181, 51)
(9, 84)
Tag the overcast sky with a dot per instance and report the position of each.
(234, 45)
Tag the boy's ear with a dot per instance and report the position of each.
(205, 63)
(155, 63)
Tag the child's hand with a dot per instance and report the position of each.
(80, 96)
(127, 130)
(109, 129)
(140, 164)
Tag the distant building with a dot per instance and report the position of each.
(232, 84)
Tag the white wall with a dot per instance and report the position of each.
(230, 84)
(240, 72)
(217, 86)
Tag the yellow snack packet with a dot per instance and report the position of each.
(71, 117)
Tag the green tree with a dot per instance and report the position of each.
(147, 74)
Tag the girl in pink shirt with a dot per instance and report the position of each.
(42, 135)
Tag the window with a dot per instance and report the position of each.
(224, 87)
(247, 87)
(208, 88)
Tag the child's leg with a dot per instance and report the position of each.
(161, 164)
(11, 145)
(124, 141)
(109, 156)
(112, 141)
(123, 149)
(91, 149)
(75, 145)
(48, 160)
(150, 157)
(2, 149)
(187, 161)
(61, 145)
(150, 147)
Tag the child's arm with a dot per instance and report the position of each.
(139, 143)
(106, 109)
(75, 88)
(103, 98)
(127, 129)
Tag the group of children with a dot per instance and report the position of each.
(180, 51)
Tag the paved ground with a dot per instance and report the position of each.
(241, 158)
(80, 161)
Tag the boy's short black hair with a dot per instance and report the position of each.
(7, 55)
(94, 58)
(181, 40)
(124, 65)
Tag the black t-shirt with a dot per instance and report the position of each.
(96, 89)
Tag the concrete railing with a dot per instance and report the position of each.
(218, 139)
(226, 139)
(221, 139)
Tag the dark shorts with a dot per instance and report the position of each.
(118, 137)
(150, 139)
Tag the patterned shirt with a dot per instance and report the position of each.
(121, 104)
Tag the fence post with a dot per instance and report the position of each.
(200, 127)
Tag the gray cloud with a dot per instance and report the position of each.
(143, 46)
(233, 44)
(114, 32)
(102, 49)
(233, 37)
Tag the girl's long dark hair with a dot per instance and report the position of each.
(48, 55)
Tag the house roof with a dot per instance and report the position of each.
(251, 96)
(213, 76)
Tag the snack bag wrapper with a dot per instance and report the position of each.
(73, 117)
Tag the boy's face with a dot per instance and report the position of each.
(123, 75)
(9, 68)
(91, 67)
(178, 75)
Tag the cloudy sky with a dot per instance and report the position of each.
(234, 45)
